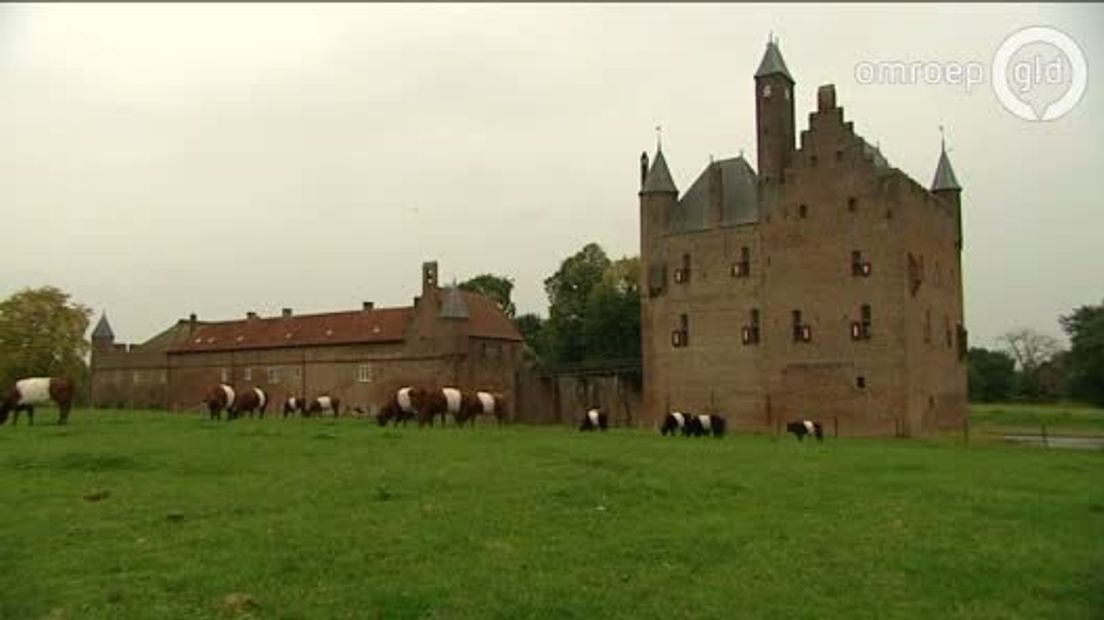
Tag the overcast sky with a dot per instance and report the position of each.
(208, 158)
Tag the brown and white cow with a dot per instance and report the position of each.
(218, 398)
(293, 405)
(487, 403)
(460, 404)
(250, 400)
(403, 406)
(321, 405)
(26, 393)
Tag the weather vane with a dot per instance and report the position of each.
(659, 137)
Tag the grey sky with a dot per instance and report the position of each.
(159, 160)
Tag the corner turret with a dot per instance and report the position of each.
(774, 115)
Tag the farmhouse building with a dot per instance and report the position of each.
(447, 337)
(826, 284)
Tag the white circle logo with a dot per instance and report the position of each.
(1039, 73)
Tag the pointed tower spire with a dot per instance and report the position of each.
(103, 329)
(659, 177)
(772, 63)
(944, 173)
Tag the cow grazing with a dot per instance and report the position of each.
(293, 405)
(26, 393)
(706, 424)
(594, 420)
(403, 406)
(321, 405)
(445, 401)
(800, 428)
(674, 423)
(492, 403)
(251, 400)
(218, 398)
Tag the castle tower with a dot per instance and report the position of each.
(774, 115)
(945, 187)
(103, 338)
(658, 196)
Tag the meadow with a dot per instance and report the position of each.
(153, 515)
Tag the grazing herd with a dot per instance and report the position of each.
(407, 403)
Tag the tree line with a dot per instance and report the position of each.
(1031, 366)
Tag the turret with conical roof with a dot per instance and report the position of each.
(774, 114)
(102, 336)
(658, 196)
(658, 179)
(945, 187)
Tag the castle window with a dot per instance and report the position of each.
(364, 373)
(860, 382)
(750, 333)
(681, 336)
(657, 280)
(801, 331)
(273, 375)
(859, 267)
(852, 204)
(247, 374)
(860, 330)
(682, 275)
(839, 156)
(803, 210)
(742, 269)
(915, 274)
(224, 375)
(813, 161)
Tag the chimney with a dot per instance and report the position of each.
(252, 316)
(286, 313)
(416, 298)
(368, 305)
(191, 322)
(429, 277)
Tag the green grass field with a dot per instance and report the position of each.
(317, 519)
(1067, 419)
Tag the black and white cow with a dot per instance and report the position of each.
(293, 405)
(800, 428)
(321, 405)
(594, 420)
(674, 423)
(218, 398)
(706, 424)
(250, 400)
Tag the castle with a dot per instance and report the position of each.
(447, 336)
(826, 285)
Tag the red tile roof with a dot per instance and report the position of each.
(487, 319)
(354, 327)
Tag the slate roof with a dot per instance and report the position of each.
(659, 177)
(944, 175)
(738, 194)
(103, 329)
(452, 304)
(772, 63)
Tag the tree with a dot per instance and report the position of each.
(1034, 353)
(42, 334)
(531, 327)
(1029, 348)
(594, 308)
(1085, 361)
(497, 288)
(568, 291)
(992, 375)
